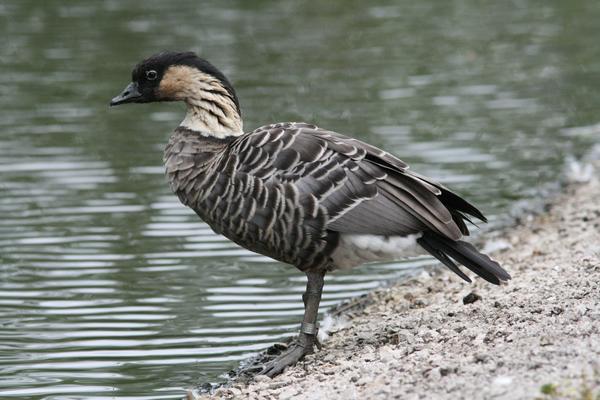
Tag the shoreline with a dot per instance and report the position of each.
(435, 336)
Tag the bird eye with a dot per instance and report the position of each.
(151, 75)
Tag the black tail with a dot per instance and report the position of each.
(463, 253)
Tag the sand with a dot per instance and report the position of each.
(538, 337)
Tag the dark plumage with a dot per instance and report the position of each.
(300, 194)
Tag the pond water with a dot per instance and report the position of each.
(110, 289)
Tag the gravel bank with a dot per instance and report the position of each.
(537, 337)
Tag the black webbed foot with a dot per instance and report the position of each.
(295, 352)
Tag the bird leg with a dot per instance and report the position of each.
(305, 342)
(304, 300)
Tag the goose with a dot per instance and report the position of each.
(300, 194)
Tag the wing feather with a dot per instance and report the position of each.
(361, 188)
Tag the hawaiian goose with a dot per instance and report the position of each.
(297, 193)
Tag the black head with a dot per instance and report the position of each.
(157, 78)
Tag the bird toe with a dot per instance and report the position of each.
(290, 357)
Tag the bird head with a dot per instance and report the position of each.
(174, 76)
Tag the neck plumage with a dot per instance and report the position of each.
(212, 119)
(211, 109)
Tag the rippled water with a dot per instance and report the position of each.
(109, 288)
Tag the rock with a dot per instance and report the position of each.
(471, 298)
(288, 393)
(502, 380)
(262, 378)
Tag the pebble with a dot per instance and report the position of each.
(471, 298)
(502, 380)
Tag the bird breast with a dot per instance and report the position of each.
(188, 158)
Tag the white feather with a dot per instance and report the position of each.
(355, 249)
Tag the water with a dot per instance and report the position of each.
(111, 289)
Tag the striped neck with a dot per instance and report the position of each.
(211, 107)
(212, 118)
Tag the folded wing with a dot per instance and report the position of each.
(363, 189)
